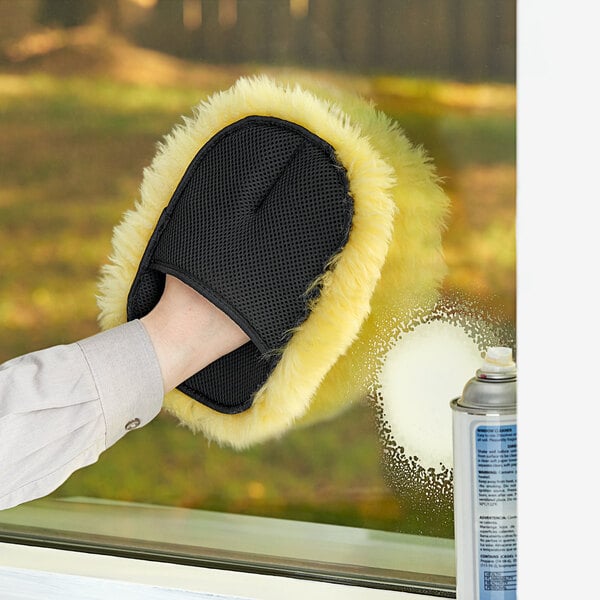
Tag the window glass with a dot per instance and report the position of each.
(86, 91)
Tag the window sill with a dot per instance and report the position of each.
(231, 546)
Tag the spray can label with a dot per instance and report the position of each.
(485, 481)
(495, 505)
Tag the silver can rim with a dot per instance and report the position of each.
(455, 405)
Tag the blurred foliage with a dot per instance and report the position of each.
(327, 474)
(72, 150)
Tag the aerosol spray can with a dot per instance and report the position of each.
(485, 481)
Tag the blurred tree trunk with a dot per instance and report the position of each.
(74, 13)
(67, 13)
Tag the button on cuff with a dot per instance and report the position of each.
(133, 424)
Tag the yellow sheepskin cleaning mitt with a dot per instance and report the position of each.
(386, 260)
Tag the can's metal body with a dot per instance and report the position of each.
(485, 486)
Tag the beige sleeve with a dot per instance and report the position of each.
(60, 408)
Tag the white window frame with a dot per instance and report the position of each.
(558, 217)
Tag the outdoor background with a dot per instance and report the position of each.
(87, 89)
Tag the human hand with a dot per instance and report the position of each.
(188, 332)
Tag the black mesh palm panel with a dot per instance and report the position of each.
(255, 220)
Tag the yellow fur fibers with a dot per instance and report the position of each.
(398, 211)
(414, 267)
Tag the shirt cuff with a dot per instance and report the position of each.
(127, 375)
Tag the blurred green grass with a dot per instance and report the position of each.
(72, 151)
